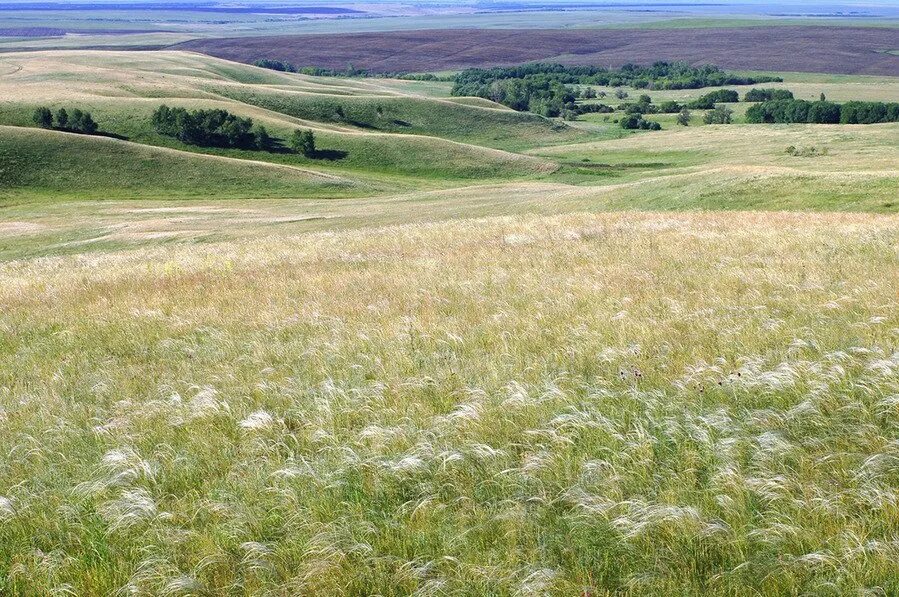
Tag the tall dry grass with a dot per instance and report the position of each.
(594, 404)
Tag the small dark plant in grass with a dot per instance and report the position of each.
(807, 152)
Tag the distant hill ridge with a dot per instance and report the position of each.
(839, 50)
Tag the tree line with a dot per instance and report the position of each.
(660, 75)
(76, 121)
(220, 128)
(349, 71)
(822, 112)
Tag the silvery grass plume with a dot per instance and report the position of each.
(118, 467)
(133, 507)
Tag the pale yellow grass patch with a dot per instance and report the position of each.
(20, 228)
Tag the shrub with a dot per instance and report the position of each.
(636, 121)
(806, 152)
(670, 107)
(683, 118)
(720, 115)
(303, 142)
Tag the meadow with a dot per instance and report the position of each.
(637, 403)
(471, 351)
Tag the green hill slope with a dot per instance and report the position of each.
(36, 163)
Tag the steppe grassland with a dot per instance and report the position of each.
(649, 403)
(122, 89)
(636, 402)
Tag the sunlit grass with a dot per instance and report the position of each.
(597, 404)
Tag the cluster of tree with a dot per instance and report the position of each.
(210, 128)
(278, 65)
(869, 112)
(823, 112)
(661, 75)
(636, 121)
(708, 101)
(539, 94)
(219, 128)
(75, 121)
(767, 95)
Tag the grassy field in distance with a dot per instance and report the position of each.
(471, 351)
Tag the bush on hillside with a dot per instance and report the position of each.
(303, 142)
(636, 121)
(670, 107)
(720, 115)
(868, 112)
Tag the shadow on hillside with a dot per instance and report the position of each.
(331, 155)
(111, 135)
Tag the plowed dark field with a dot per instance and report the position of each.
(850, 50)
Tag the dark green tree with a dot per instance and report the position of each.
(720, 115)
(263, 139)
(75, 119)
(43, 117)
(88, 125)
(303, 142)
(62, 118)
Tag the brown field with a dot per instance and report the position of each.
(845, 50)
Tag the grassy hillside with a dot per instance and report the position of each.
(382, 133)
(48, 164)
